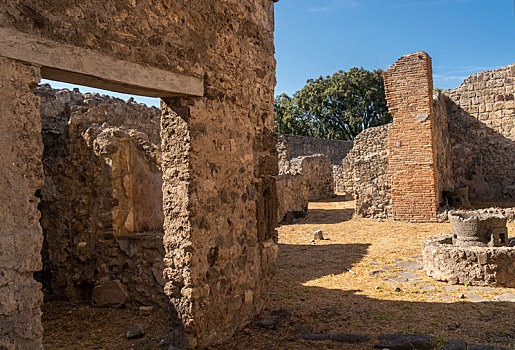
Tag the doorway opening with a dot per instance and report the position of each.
(102, 216)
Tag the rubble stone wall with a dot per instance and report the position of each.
(443, 146)
(482, 130)
(367, 163)
(21, 174)
(317, 172)
(292, 195)
(342, 175)
(101, 202)
(411, 144)
(293, 146)
(336, 150)
(218, 151)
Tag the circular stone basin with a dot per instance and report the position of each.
(473, 229)
(480, 266)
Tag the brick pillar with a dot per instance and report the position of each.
(411, 144)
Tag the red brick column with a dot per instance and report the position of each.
(411, 144)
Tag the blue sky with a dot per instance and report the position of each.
(320, 37)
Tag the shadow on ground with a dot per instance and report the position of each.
(327, 216)
(343, 309)
(307, 262)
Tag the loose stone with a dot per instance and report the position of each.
(338, 337)
(134, 332)
(318, 235)
(405, 342)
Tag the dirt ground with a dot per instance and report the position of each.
(328, 287)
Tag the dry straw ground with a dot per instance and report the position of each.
(328, 287)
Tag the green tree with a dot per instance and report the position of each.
(286, 118)
(336, 107)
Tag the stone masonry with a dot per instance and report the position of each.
(316, 169)
(292, 195)
(317, 172)
(336, 150)
(366, 167)
(21, 174)
(411, 143)
(476, 252)
(480, 266)
(481, 113)
(212, 63)
(443, 146)
(456, 140)
(101, 205)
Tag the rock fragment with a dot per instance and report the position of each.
(110, 294)
(134, 332)
(405, 342)
(318, 235)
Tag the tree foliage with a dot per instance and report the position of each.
(336, 107)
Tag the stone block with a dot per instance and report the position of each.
(110, 294)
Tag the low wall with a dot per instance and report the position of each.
(317, 172)
(342, 175)
(292, 195)
(336, 150)
(367, 163)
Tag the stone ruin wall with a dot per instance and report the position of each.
(472, 146)
(443, 146)
(292, 195)
(218, 154)
(343, 185)
(318, 175)
(367, 168)
(481, 114)
(21, 175)
(336, 150)
(101, 202)
(301, 179)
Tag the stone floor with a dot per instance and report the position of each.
(410, 270)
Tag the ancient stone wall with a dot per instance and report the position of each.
(21, 174)
(411, 144)
(101, 202)
(443, 146)
(367, 164)
(219, 150)
(482, 130)
(292, 195)
(336, 150)
(317, 173)
(342, 175)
